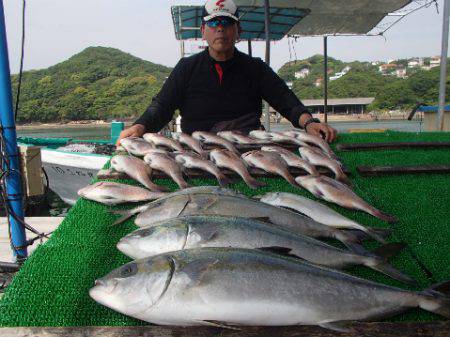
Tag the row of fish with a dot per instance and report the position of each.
(199, 264)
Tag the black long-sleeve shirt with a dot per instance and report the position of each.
(208, 92)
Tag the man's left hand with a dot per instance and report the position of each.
(322, 130)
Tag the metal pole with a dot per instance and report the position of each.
(249, 47)
(13, 180)
(443, 75)
(182, 48)
(325, 78)
(267, 30)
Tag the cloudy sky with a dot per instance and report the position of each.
(58, 29)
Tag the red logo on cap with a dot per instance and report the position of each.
(220, 4)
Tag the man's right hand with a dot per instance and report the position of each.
(137, 130)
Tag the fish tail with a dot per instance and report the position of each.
(223, 180)
(344, 179)
(253, 183)
(383, 216)
(436, 299)
(350, 240)
(374, 234)
(383, 267)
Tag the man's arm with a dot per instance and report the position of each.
(281, 98)
(163, 106)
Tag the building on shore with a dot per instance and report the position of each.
(341, 106)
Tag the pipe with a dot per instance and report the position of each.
(267, 31)
(443, 75)
(13, 179)
(325, 78)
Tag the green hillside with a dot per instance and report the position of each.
(97, 83)
(364, 80)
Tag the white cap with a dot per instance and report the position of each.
(214, 8)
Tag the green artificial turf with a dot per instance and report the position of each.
(52, 287)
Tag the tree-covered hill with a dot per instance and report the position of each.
(364, 80)
(97, 83)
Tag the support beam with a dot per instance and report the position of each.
(267, 31)
(325, 78)
(249, 47)
(443, 75)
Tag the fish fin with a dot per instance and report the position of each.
(381, 232)
(220, 324)
(203, 203)
(204, 234)
(223, 181)
(254, 183)
(389, 250)
(127, 214)
(279, 250)
(437, 299)
(196, 270)
(265, 219)
(122, 219)
(341, 326)
(384, 216)
(394, 273)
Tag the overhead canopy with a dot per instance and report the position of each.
(188, 19)
(335, 17)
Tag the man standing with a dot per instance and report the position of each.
(222, 88)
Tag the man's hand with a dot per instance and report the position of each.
(136, 130)
(321, 130)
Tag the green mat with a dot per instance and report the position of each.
(52, 287)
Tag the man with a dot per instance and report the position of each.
(222, 88)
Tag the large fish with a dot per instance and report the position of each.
(275, 137)
(318, 160)
(210, 138)
(231, 161)
(209, 204)
(136, 169)
(318, 212)
(190, 160)
(291, 159)
(237, 232)
(239, 137)
(159, 140)
(270, 162)
(111, 193)
(165, 163)
(311, 139)
(333, 191)
(189, 141)
(136, 146)
(227, 287)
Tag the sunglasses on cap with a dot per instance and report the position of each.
(223, 21)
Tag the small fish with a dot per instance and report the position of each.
(275, 137)
(317, 211)
(230, 287)
(210, 138)
(319, 160)
(159, 140)
(311, 139)
(189, 160)
(291, 159)
(191, 142)
(230, 160)
(240, 138)
(166, 164)
(333, 191)
(136, 146)
(136, 169)
(270, 162)
(112, 193)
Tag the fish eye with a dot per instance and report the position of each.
(128, 270)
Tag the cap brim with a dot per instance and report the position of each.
(216, 14)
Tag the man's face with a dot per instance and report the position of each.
(222, 36)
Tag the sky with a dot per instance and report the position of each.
(58, 29)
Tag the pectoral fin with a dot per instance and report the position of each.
(197, 269)
(342, 326)
(219, 324)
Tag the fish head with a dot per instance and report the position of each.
(166, 237)
(120, 162)
(135, 287)
(270, 198)
(306, 180)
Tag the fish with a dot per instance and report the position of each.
(230, 287)
(319, 212)
(230, 160)
(275, 137)
(239, 137)
(210, 138)
(212, 204)
(270, 162)
(237, 232)
(291, 159)
(311, 139)
(166, 164)
(159, 140)
(189, 141)
(319, 160)
(136, 169)
(136, 146)
(192, 161)
(112, 193)
(333, 191)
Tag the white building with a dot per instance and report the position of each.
(400, 72)
(415, 63)
(435, 62)
(302, 73)
(340, 74)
